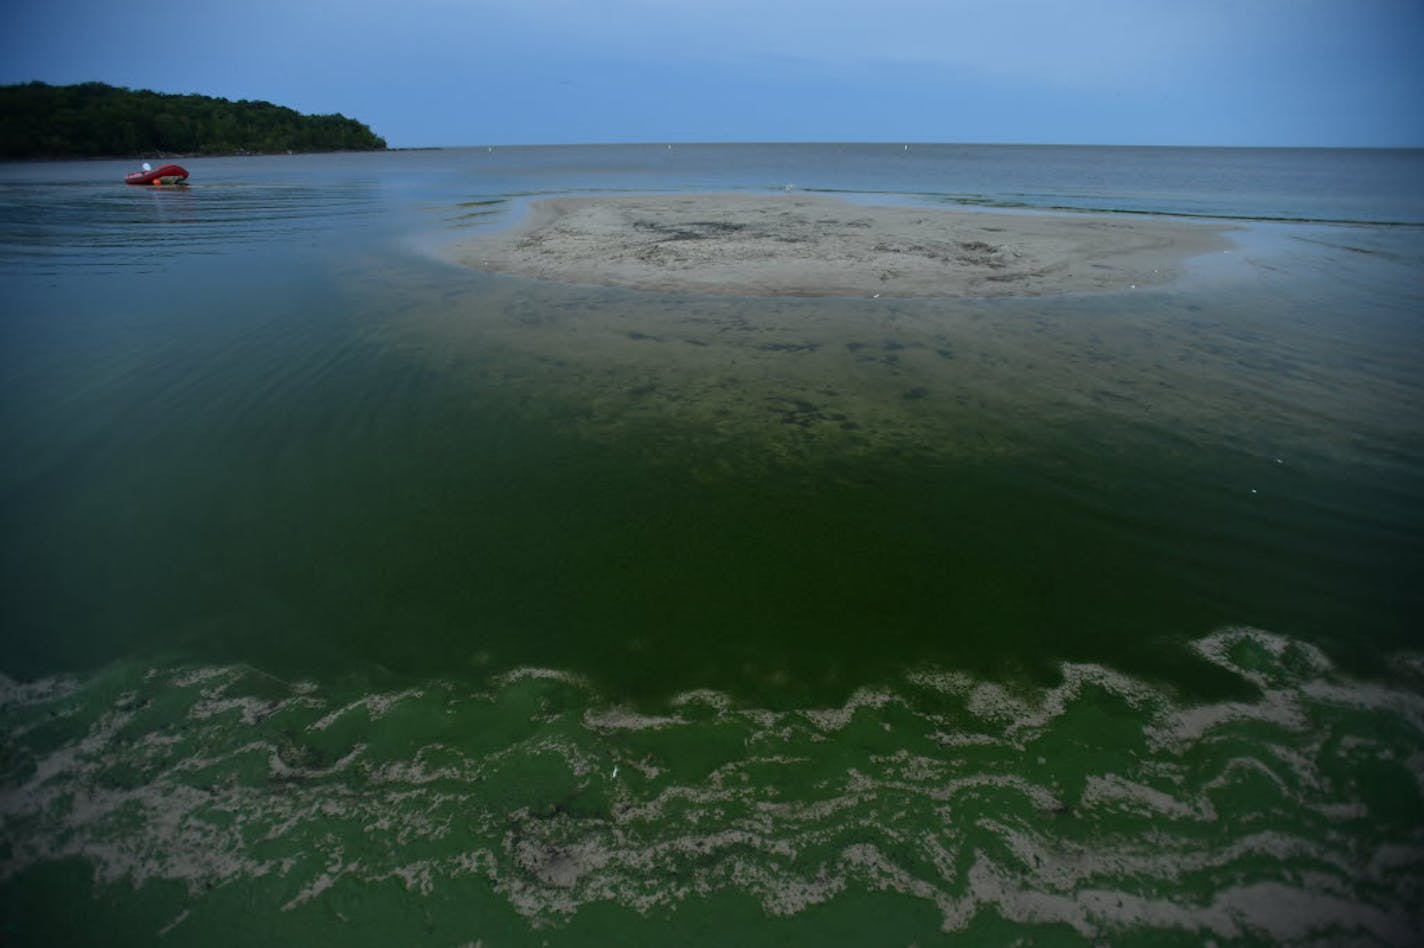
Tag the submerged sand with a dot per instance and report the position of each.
(802, 245)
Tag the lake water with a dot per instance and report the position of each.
(353, 597)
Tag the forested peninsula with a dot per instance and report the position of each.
(93, 120)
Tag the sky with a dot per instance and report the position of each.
(499, 72)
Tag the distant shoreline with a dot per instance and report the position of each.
(800, 245)
(95, 119)
(184, 156)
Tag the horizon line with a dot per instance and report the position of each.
(906, 143)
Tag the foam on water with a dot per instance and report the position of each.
(1102, 807)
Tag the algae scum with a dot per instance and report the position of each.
(537, 811)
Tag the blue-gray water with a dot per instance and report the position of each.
(351, 596)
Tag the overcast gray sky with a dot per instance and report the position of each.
(464, 72)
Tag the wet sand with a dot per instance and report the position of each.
(800, 245)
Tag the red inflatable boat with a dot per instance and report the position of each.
(168, 174)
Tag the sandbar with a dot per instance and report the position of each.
(797, 244)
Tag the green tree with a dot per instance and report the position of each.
(93, 119)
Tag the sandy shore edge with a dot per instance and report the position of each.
(810, 245)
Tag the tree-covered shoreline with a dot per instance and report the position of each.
(96, 120)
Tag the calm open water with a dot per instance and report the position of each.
(351, 597)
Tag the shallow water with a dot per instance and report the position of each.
(338, 580)
(1098, 807)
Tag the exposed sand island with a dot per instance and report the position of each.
(800, 245)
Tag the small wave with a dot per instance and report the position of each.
(1045, 204)
(1105, 805)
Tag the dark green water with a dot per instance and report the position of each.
(351, 597)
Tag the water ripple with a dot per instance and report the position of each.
(1103, 804)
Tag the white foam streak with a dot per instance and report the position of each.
(1113, 790)
(376, 706)
(1235, 819)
